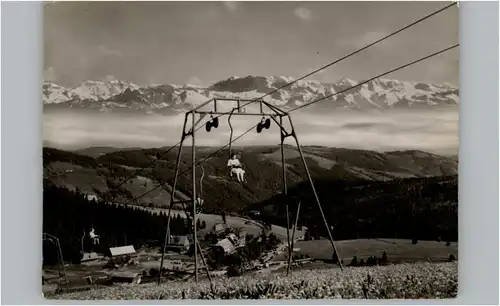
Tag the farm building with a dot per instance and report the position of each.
(224, 246)
(232, 238)
(122, 255)
(122, 251)
(92, 197)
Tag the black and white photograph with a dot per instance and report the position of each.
(243, 150)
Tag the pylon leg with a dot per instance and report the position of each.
(285, 192)
(172, 199)
(314, 191)
(293, 237)
(193, 165)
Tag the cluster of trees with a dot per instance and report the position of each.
(371, 261)
(417, 209)
(69, 216)
(201, 224)
(53, 155)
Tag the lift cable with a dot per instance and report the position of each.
(137, 172)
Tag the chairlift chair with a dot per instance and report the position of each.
(213, 122)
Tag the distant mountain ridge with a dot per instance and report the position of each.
(167, 99)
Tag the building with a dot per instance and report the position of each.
(232, 238)
(224, 246)
(122, 251)
(92, 197)
(179, 243)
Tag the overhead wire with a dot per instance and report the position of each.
(297, 80)
(197, 163)
(376, 77)
(307, 104)
(194, 129)
(304, 105)
(349, 55)
(301, 106)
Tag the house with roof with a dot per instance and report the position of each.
(127, 250)
(224, 247)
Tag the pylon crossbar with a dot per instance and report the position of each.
(270, 114)
(239, 105)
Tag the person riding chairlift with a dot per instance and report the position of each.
(94, 237)
(236, 168)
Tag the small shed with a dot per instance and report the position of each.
(92, 197)
(122, 251)
(126, 277)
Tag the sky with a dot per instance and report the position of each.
(204, 42)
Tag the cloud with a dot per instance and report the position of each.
(194, 80)
(110, 78)
(435, 132)
(49, 74)
(366, 39)
(303, 13)
(361, 125)
(108, 51)
(231, 5)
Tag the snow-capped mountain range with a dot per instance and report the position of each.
(119, 96)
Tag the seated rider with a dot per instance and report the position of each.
(236, 167)
(94, 237)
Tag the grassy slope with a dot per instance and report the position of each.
(263, 170)
(407, 281)
(397, 249)
(381, 202)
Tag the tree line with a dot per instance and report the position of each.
(69, 216)
(417, 209)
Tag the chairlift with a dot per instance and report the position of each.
(213, 122)
(94, 237)
(265, 123)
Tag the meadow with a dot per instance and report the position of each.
(403, 281)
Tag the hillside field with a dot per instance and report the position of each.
(405, 281)
(398, 250)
